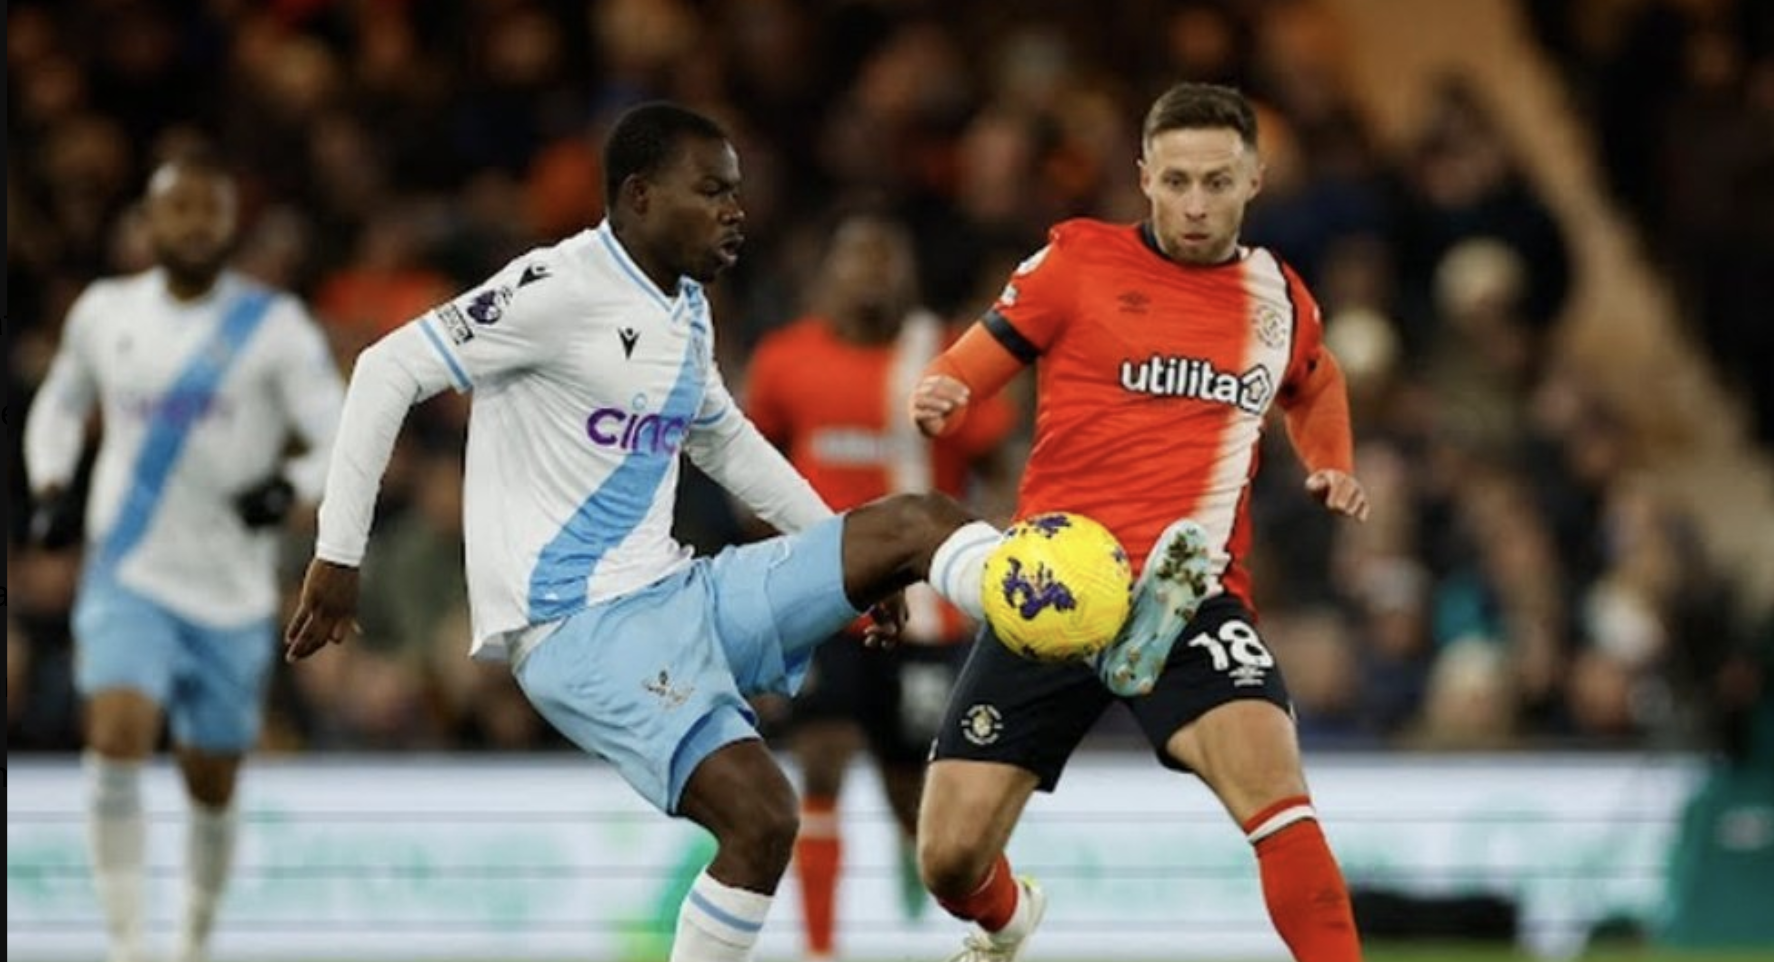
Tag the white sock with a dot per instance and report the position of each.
(959, 564)
(116, 838)
(209, 854)
(1021, 923)
(718, 923)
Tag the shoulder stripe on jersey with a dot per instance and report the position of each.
(457, 373)
(1006, 334)
(628, 266)
(1293, 310)
(190, 395)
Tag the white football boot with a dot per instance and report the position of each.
(983, 946)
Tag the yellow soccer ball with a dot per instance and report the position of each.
(1057, 587)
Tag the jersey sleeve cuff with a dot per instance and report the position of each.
(1012, 339)
(333, 554)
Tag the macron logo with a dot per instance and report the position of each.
(630, 337)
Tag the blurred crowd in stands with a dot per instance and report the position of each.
(1518, 586)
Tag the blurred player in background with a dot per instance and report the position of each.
(830, 389)
(200, 376)
(1158, 349)
(592, 364)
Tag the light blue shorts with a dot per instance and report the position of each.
(210, 682)
(655, 681)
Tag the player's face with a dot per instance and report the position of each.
(1199, 181)
(694, 213)
(869, 271)
(191, 217)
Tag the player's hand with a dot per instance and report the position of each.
(266, 503)
(55, 521)
(326, 612)
(1339, 492)
(886, 621)
(935, 402)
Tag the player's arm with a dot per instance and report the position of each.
(310, 394)
(725, 444)
(55, 433)
(505, 326)
(1026, 318)
(1318, 426)
(390, 376)
(977, 365)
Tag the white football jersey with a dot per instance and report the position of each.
(588, 382)
(199, 400)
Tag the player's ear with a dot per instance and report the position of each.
(637, 192)
(1257, 169)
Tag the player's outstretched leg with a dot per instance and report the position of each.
(1170, 587)
(895, 541)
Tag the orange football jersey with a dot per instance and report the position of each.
(1153, 381)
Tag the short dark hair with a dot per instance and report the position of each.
(195, 157)
(646, 138)
(1192, 106)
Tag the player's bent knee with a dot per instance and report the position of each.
(122, 724)
(761, 833)
(952, 865)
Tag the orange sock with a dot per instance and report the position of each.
(992, 904)
(818, 853)
(1302, 885)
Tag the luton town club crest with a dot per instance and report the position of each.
(1271, 326)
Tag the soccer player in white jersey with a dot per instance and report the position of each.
(592, 367)
(200, 376)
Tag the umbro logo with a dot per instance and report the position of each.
(533, 273)
(630, 337)
(1133, 302)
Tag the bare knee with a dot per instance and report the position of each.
(954, 851)
(210, 777)
(758, 833)
(122, 724)
(968, 812)
(741, 796)
(953, 865)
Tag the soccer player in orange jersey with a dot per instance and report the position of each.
(830, 389)
(1158, 348)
